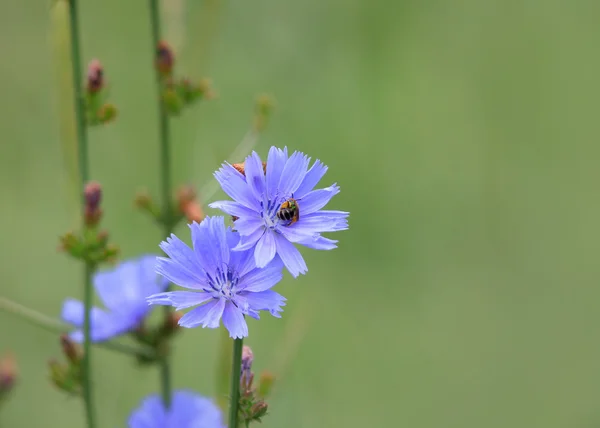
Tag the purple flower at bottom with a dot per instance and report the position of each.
(278, 207)
(187, 410)
(227, 284)
(123, 290)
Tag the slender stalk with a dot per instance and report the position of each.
(165, 180)
(57, 326)
(82, 147)
(235, 383)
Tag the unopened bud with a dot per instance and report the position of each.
(106, 113)
(92, 196)
(70, 349)
(171, 323)
(240, 167)
(8, 373)
(165, 59)
(95, 76)
(188, 204)
(265, 384)
(69, 243)
(259, 410)
(143, 199)
(247, 358)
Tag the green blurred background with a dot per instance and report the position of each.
(464, 136)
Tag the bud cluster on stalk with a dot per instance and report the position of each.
(90, 244)
(157, 338)
(252, 405)
(67, 376)
(98, 110)
(185, 205)
(178, 93)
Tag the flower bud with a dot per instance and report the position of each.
(258, 410)
(8, 373)
(92, 196)
(95, 76)
(247, 358)
(70, 349)
(165, 59)
(106, 113)
(188, 204)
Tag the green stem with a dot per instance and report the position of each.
(84, 176)
(87, 346)
(56, 326)
(234, 396)
(165, 170)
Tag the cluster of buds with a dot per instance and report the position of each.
(90, 245)
(252, 405)
(178, 92)
(185, 205)
(67, 376)
(98, 111)
(157, 338)
(8, 375)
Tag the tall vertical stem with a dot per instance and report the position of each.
(165, 180)
(82, 150)
(235, 383)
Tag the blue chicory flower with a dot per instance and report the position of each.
(227, 284)
(123, 290)
(258, 195)
(187, 410)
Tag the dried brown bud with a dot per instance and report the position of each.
(8, 373)
(242, 170)
(70, 349)
(188, 204)
(95, 76)
(171, 323)
(165, 59)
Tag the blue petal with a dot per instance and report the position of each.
(207, 315)
(190, 410)
(291, 257)
(150, 414)
(317, 199)
(295, 234)
(255, 176)
(234, 322)
(267, 300)
(318, 242)
(318, 223)
(248, 225)
(233, 208)
(293, 173)
(179, 299)
(265, 249)
(262, 279)
(240, 261)
(312, 178)
(174, 271)
(247, 242)
(184, 268)
(210, 244)
(73, 310)
(275, 164)
(234, 184)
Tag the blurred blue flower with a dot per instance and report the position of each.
(123, 290)
(278, 207)
(226, 283)
(187, 410)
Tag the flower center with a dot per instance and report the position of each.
(223, 284)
